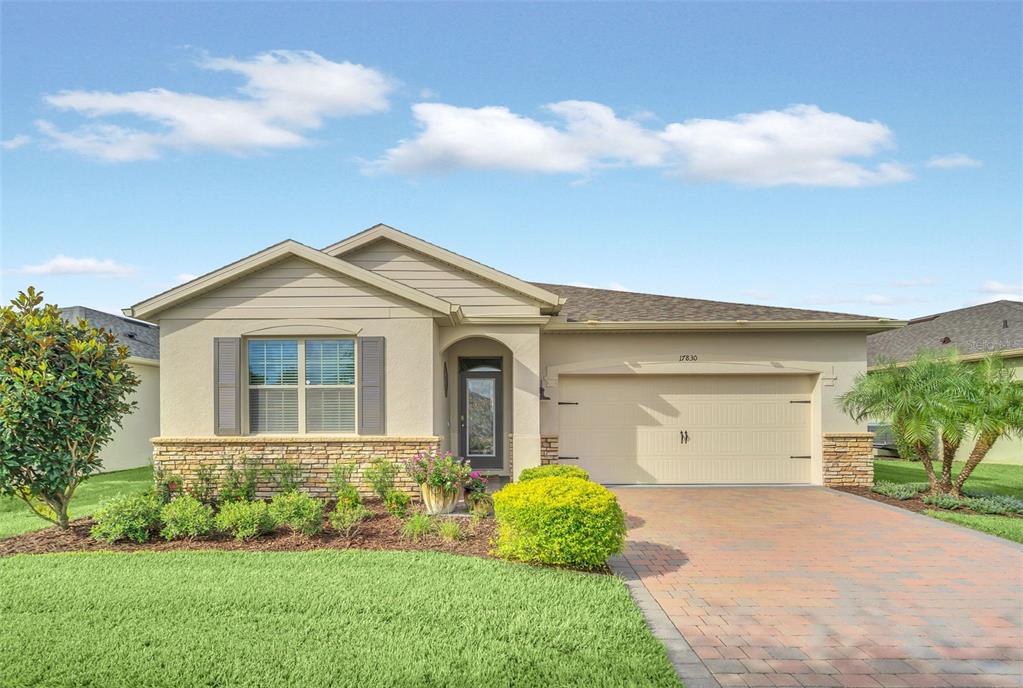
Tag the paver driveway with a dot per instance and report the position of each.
(811, 587)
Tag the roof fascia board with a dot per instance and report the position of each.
(722, 325)
(232, 271)
(461, 262)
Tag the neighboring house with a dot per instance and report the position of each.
(974, 332)
(385, 345)
(131, 445)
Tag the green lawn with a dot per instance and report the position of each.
(991, 477)
(1002, 526)
(15, 517)
(994, 477)
(340, 618)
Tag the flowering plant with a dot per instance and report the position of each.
(445, 471)
(476, 484)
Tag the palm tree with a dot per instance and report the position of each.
(927, 398)
(995, 409)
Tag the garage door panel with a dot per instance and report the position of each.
(740, 429)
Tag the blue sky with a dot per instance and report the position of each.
(862, 158)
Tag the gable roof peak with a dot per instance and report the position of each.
(381, 231)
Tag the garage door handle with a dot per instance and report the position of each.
(800, 457)
(568, 403)
(568, 458)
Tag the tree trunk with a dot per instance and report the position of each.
(980, 450)
(948, 455)
(924, 452)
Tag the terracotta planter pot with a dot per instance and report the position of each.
(481, 505)
(438, 501)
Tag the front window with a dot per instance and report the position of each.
(301, 385)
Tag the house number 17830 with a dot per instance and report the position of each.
(687, 357)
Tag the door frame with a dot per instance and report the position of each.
(496, 373)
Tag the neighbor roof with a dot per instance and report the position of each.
(585, 303)
(987, 328)
(141, 338)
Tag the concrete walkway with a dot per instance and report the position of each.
(779, 586)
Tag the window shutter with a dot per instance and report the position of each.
(227, 386)
(371, 386)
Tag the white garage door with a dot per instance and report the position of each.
(687, 428)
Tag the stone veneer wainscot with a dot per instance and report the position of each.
(848, 459)
(316, 455)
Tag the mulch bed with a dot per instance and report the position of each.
(915, 504)
(381, 532)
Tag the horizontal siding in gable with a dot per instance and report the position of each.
(439, 279)
(294, 288)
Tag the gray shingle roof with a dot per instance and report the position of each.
(996, 326)
(141, 338)
(584, 303)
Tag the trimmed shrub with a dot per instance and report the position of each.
(245, 520)
(944, 501)
(127, 517)
(380, 474)
(287, 475)
(898, 490)
(185, 517)
(553, 470)
(240, 480)
(417, 527)
(996, 504)
(560, 521)
(204, 487)
(397, 503)
(346, 520)
(299, 511)
(167, 485)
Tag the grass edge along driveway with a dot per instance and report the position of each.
(15, 517)
(990, 477)
(351, 618)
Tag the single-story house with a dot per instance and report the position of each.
(974, 332)
(383, 344)
(131, 445)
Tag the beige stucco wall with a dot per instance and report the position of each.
(131, 446)
(186, 382)
(1007, 449)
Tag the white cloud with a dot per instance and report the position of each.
(15, 142)
(953, 161)
(285, 94)
(994, 290)
(66, 265)
(801, 145)
(184, 277)
(428, 94)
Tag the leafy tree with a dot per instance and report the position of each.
(994, 410)
(63, 388)
(934, 403)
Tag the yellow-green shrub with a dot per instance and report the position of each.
(560, 521)
(553, 470)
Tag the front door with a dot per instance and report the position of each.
(479, 412)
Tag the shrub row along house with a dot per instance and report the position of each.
(386, 345)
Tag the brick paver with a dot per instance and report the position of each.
(811, 587)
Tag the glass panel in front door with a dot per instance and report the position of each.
(481, 409)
